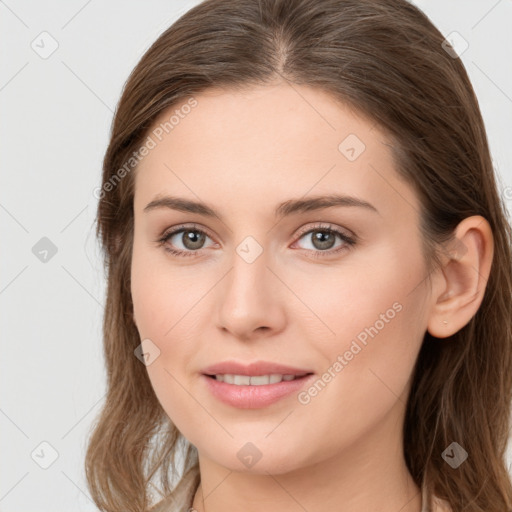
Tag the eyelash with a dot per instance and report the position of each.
(326, 228)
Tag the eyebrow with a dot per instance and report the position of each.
(287, 208)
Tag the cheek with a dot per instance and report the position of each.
(164, 296)
(165, 303)
(366, 375)
(376, 320)
(366, 289)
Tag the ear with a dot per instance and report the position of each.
(461, 283)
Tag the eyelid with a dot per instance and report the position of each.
(302, 231)
(187, 226)
(326, 226)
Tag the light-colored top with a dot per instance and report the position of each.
(438, 505)
(182, 501)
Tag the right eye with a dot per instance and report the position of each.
(191, 238)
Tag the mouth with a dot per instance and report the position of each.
(255, 391)
(255, 380)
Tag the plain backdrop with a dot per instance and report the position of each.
(63, 67)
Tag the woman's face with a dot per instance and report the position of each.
(263, 280)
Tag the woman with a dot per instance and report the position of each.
(309, 270)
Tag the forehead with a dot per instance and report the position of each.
(270, 118)
(260, 143)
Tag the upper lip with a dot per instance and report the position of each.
(254, 368)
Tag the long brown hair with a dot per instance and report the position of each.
(387, 60)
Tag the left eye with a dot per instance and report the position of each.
(323, 239)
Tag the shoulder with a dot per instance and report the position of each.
(171, 505)
(182, 496)
(434, 504)
(164, 505)
(439, 505)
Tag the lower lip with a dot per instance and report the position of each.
(254, 397)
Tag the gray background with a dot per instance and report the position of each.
(56, 112)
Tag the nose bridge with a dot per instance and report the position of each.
(249, 279)
(250, 295)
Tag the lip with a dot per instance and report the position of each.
(254, 397)
(255, 368)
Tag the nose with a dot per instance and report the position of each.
(251, 299)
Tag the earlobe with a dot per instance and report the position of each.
(465, 271)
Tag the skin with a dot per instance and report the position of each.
(243, 153)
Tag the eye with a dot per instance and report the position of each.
(191, 238)
(323, 239)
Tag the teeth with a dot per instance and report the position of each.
(254, 380)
